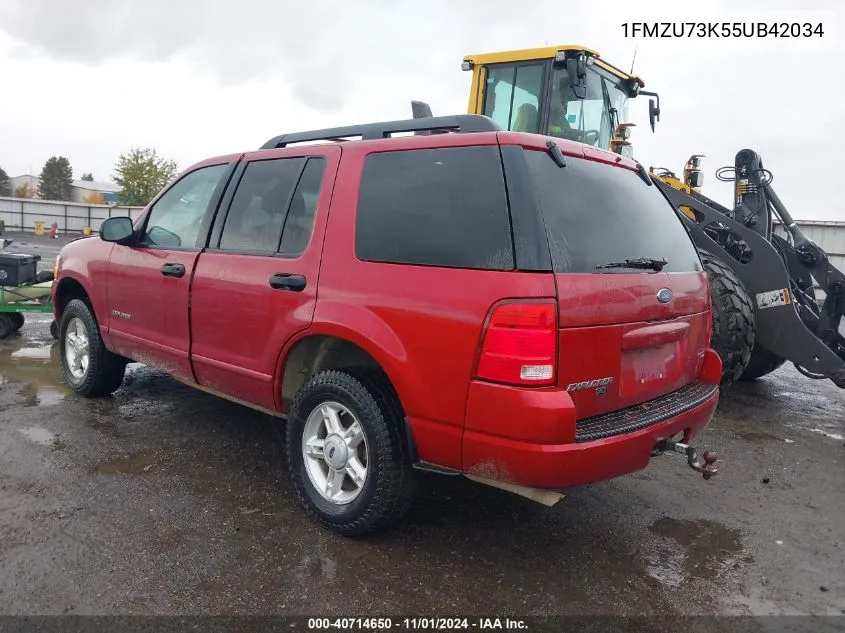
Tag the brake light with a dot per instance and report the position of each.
(520, 345)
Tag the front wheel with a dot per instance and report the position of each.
(89, 369)
(347, 455)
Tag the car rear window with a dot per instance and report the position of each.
(596, 214)
(437, 207)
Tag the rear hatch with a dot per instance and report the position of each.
(632, 328)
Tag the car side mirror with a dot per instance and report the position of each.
(118, 230)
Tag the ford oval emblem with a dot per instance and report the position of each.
(664, 295)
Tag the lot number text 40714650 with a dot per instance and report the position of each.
(416, 624)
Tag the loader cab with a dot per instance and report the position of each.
(568, 92)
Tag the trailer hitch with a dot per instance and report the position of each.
(708, 469)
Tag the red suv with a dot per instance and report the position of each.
(524, 311)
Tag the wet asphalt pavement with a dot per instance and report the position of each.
(164, 500)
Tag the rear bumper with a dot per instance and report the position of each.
(535, 461)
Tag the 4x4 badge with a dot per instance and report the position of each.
(664, 295)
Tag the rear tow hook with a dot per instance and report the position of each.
(708, 469)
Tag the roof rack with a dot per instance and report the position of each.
(457, 123)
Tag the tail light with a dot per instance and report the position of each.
(520, 345)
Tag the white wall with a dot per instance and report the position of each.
(22, 214)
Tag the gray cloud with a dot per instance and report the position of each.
(323, 49)
(233, 42)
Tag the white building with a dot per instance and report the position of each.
(83, 190)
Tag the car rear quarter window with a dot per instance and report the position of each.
(437, 207)
(596, 214)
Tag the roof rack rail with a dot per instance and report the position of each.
(458, 123)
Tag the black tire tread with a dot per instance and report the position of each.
(6, 326)
(395, 479)
(105, 370)
(762, 362)
(18, 320)
(734, 331)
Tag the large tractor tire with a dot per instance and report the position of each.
(762, 362)
(734, 334)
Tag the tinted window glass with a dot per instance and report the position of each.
(512, 96)
(175, 219)
(440, 207)
(300, 219)
(257, 213)
(597, 213)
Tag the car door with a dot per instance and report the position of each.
(256, 285)
(148, 282)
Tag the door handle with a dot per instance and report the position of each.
(286, 281)
(173, 270)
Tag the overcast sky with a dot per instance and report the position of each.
(90, 79)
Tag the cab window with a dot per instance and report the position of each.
(512, 96)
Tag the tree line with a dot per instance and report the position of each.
(140, 173)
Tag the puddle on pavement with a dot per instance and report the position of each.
(129, 465)
(756, 436)
(317, 566)
(833, 436)
(691, 550)
(36, 368)
(42, 436)
(32, 353)
(49, 396)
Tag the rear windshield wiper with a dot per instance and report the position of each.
(643, 262)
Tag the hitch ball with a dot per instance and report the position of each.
(707, 469)
(709, 459)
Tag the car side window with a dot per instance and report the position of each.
(176, 217)
(257, 213)
(299, 223)
(437, 207)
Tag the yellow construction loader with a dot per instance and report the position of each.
(763, 285)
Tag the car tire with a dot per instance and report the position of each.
(79, 339)
(54, 329)
(6, 326)
(734, 329)
(325, 457)
(17, 319)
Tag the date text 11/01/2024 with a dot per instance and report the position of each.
(722, 29)
(416, 624)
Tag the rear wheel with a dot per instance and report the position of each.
(733, 335)
(347, 455)
(89, 369)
